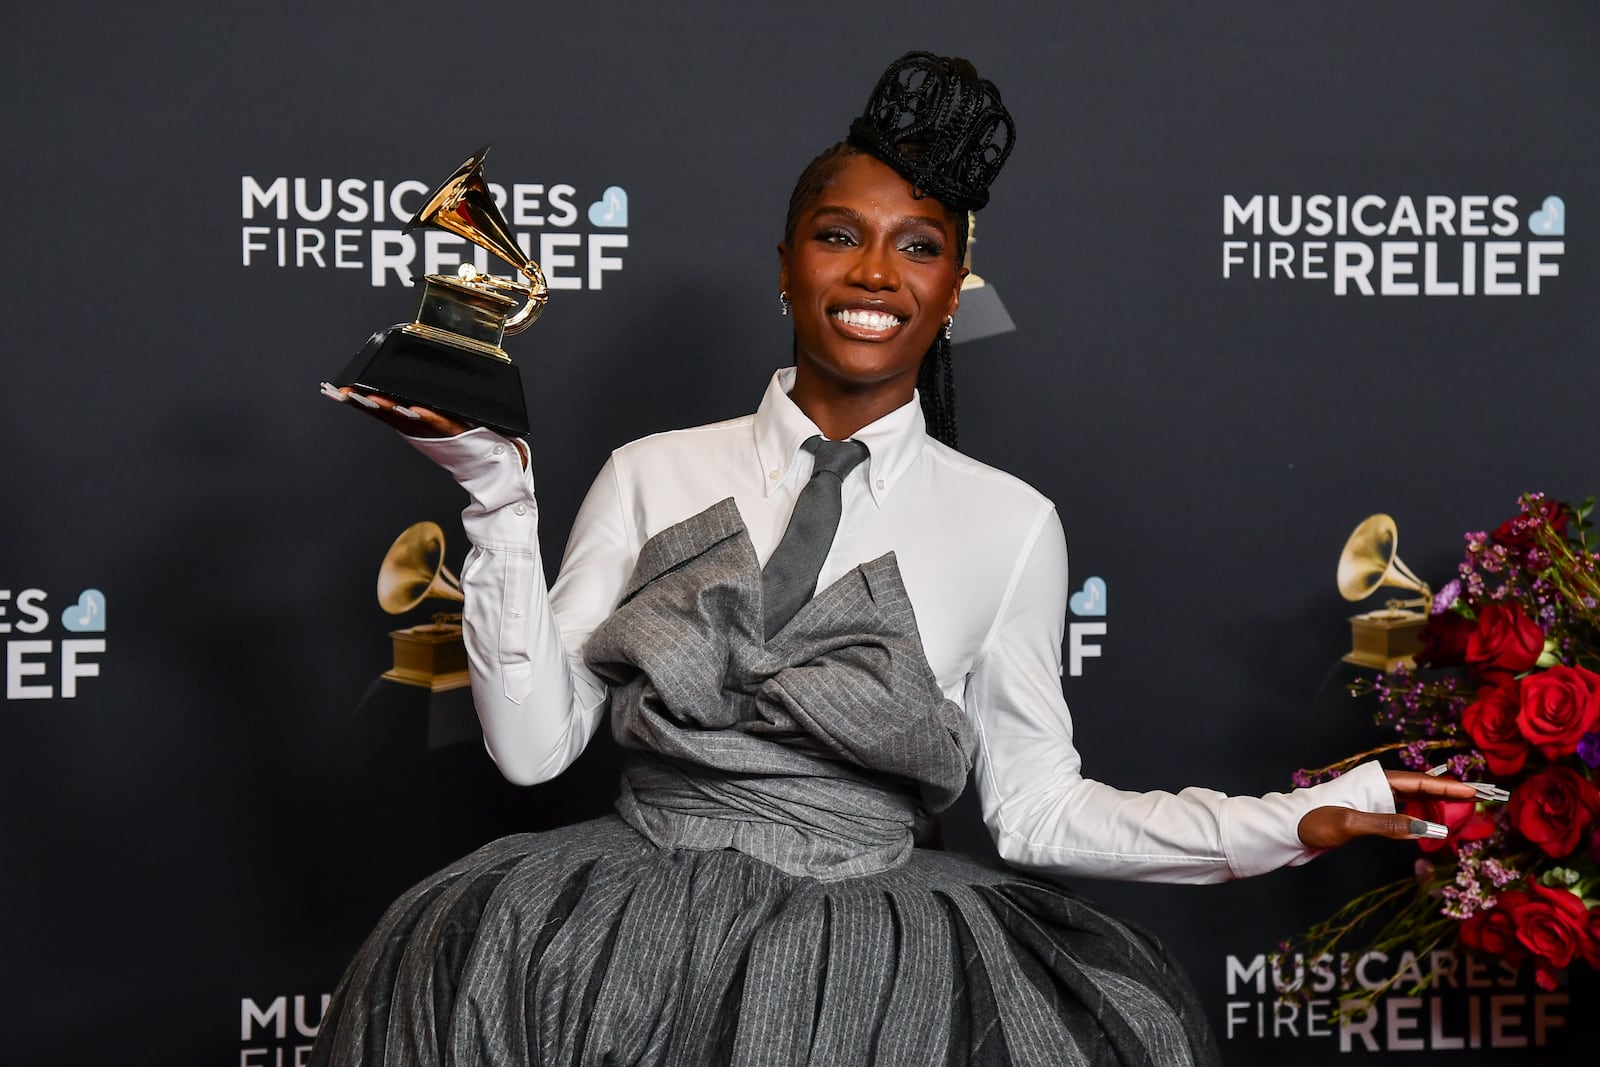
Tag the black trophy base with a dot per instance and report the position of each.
(414, 717)
(476, 389)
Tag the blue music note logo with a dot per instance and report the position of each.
(88, 615)
(611, 210)
(1091, 600)
(1551, 219)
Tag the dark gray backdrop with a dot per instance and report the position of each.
(197, 837)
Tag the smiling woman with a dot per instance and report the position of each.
(759, 896)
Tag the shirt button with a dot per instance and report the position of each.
(773, 473)
(520, 509)
(880, 483)
(498, 450)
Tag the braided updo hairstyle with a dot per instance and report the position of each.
(943, 129)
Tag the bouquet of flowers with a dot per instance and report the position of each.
(1506, 690)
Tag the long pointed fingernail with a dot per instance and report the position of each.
(407, 412)
(1489, 791)
(1424, 828)
(332, 392)
(1437, 771)
(366, 402)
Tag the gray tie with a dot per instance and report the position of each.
(790, 576)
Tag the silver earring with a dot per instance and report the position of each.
(949, 327)
(783, 302)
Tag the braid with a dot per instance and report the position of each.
(936, 385)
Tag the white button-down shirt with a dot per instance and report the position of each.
(984, 560)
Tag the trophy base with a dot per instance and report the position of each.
(410, 716)
(1385, 640)
(441, 377)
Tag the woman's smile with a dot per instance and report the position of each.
(865, 323)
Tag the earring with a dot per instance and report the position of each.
(783, 302)
(949, 327)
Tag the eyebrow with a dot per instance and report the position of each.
(855, 216)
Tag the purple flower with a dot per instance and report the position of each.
(1589, 749)
(1446, 596)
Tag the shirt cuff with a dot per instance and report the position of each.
(486, 464)
(1261, 834)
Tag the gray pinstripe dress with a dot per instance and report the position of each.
(757, 898)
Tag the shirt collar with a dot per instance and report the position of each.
(893, 442)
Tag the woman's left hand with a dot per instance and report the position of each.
(1332, 826)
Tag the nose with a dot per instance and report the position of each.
(875, 268)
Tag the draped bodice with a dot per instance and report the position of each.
(813, 750)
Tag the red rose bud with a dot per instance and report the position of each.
(1518, 533)
(1494, 932)
(1461, 818)
(1553, 924)
(1505, 642)
(1555, 809)
(1444, 640)
(1491, 722)
(1557, 707)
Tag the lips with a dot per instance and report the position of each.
(866, 323)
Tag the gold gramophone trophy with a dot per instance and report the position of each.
(1390, 636)
(432, 655)
(449, 359)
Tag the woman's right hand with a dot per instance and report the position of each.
(411, 420)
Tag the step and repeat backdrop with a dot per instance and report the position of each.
(1271, 268)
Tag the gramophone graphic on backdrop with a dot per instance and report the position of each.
(449, 359)
(423, 697)
(982, 314)
(1391, 635)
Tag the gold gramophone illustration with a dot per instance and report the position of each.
(1388, 637)
(982, 314)
(449, 359)
(432, 655)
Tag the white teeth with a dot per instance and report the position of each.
(867, 320)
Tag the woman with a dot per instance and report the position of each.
(757, 898)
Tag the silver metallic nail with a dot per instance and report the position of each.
(407, 412)
(1424, 828)
(332, 392)
(1437, 771)
(366, 402)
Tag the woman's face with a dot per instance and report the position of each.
(872, 275)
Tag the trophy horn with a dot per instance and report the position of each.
(413, 570)
(464, 206)
(1371, 561)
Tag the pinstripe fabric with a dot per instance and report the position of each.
(757, 900)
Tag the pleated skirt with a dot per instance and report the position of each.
(591, 945)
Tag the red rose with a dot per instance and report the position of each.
(1517, 533)
(1552, 924)
(1557, 707)
(1444, 640)
(1494, 932)
(1504, 642)
(1555, 809)
(1491, 722)
(1461, 817)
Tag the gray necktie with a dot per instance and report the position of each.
(790, 576)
